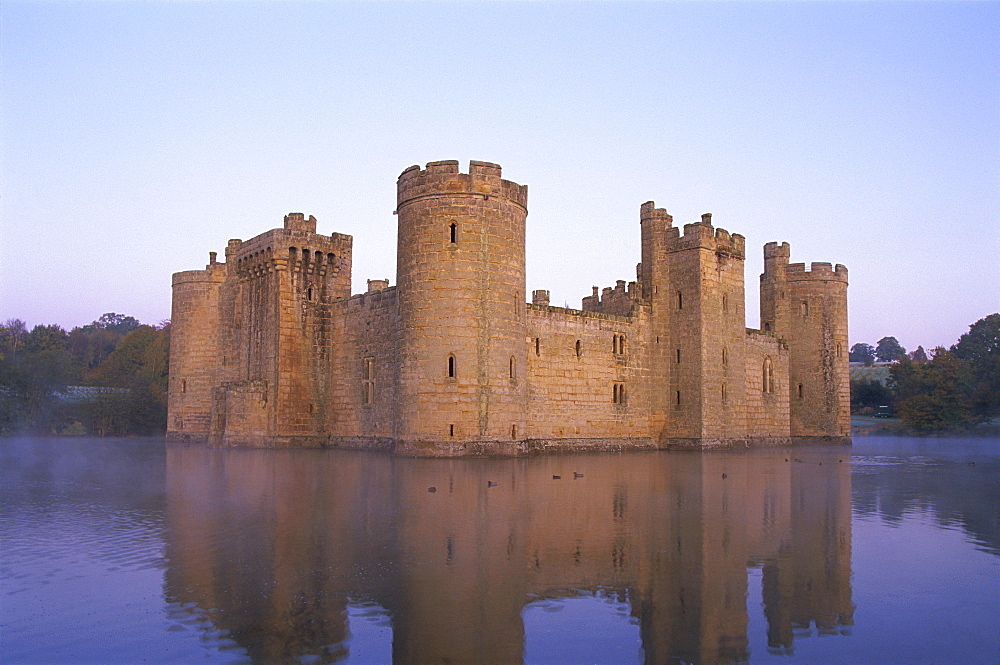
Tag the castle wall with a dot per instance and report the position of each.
(766, 414)
(270, 348)
(277, 328)
(365, 374)
(579, 387)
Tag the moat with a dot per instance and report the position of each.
(135, 551)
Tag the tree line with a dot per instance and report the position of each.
(946, 389)
(108, 377)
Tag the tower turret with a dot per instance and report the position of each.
(808, 309)
(460, 270)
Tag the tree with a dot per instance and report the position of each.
(869, 393)
(918, 355)
(862, 353)
(980, 347)
(934, 396)
(889, 349)
(12, 334)
(32, 375)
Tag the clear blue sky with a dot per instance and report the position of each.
(137, 137)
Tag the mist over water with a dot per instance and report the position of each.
(127, 550)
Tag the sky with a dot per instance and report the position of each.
(135, 137)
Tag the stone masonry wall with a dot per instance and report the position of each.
(269, 348)
(573, 372)
(766, 413)
(194, 351)
(365, 374)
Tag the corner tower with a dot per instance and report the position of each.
(460, 271)
(808, 309)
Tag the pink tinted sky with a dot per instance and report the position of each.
(137, 137)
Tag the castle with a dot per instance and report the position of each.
(270, 349)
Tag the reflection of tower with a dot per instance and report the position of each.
(692, 597)
(808, 309)
(810, 582)
(256, 541)
(462, 602)
(270, 545)
(460, 273)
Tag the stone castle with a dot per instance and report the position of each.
(269, 348)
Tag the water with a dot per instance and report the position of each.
(129, 551)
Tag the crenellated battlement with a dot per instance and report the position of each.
(296, 221)
(819, 271)
(648, 212)
(703, 235)
(773, 250)
(444, 178)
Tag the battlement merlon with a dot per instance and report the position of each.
(704, 236)
(214, 273)
(444, 178)
(819, 271)
(648, 212)
(296, 221)
(296, 234)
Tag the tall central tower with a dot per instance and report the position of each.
(461, 277)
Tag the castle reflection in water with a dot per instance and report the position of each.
(274, 545)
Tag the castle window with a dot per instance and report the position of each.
(579, 348)
(309, 294)
(513, 368)
(454, 232)
(538, 346)
(368, 380)
(800, 391)
(725, 303)
(723, 392)
(451, 367)
(451, 430)
(804, 308)
(678, 398)
(678, 356)
(767, 377)
(513, 431)
(840, 350)
(680, 300)
(184, 385)
(618, 393)
(618, 345)
(767, 327)
(725, 356)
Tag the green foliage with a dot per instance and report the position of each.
(889, 349)
(918, 355)
(32, 377)
(980, 347)
(862, 353)
(934, 396)
(124, 361)
(869, 394)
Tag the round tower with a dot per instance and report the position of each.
(816, 333)
(461, 283)
(194, 351)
